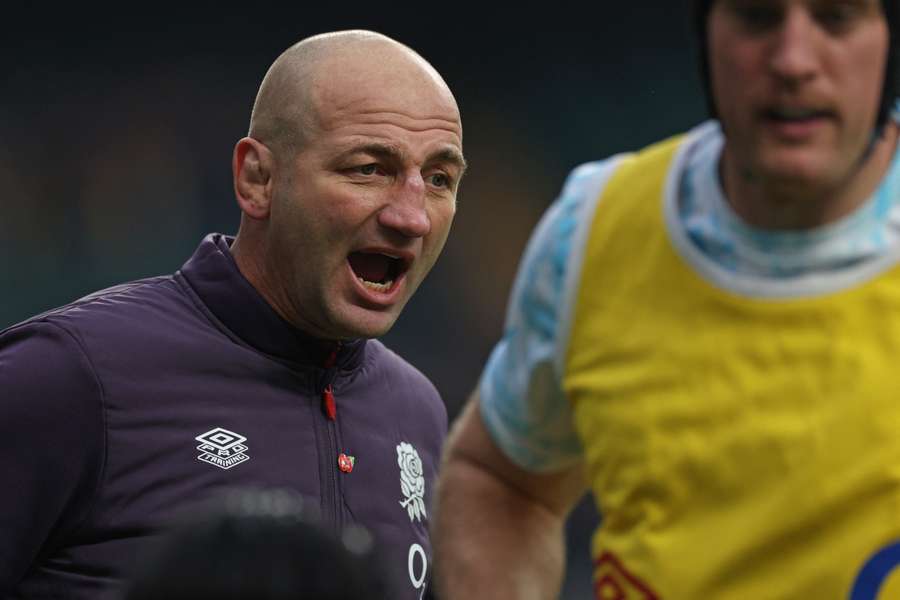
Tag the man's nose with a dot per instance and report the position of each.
(405, 210)
(794, 56)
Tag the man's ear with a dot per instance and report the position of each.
(252, 167)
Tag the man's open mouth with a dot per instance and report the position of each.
(377, 271)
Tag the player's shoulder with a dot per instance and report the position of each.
(583, 186)
(569, 213)
(586, 181)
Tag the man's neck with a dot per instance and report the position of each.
(252, 266)
(250, 257)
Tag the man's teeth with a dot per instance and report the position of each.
(378, 287)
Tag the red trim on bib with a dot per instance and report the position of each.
(613, 582)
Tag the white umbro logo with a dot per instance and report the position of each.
(222, 448)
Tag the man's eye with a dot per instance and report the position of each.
(439, 180)
(369, 169)
(837, 16)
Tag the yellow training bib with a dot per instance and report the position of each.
(737, 447)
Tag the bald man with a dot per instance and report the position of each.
(255, 363)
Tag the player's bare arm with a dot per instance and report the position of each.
(498, 529)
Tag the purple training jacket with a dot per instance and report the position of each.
(126, 407)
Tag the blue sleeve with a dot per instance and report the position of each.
(523, 405)
(51, 443)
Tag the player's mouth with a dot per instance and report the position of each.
(379, 272)
(794, 122)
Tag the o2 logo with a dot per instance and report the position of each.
(876, 572)
(417, 563)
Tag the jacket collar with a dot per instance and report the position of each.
(214, 275)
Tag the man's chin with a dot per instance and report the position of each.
(358, 322)
(795, 169)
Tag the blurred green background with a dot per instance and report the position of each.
(116, 132)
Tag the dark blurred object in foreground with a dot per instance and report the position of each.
(259, 545)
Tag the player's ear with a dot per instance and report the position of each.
(252, 167)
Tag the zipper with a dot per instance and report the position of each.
(328, 460)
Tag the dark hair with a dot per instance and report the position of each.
(888, 92)
(256, 545)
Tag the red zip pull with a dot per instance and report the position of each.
(329, 404)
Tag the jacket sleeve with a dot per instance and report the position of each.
(51, 443)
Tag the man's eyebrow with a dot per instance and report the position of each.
(449, 155)
(375, 149)
(387, 151)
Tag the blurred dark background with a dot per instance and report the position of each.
(117, 126)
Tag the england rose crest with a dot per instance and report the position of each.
(412, 481)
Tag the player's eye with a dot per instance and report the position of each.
(838, 16)
(369, 169)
